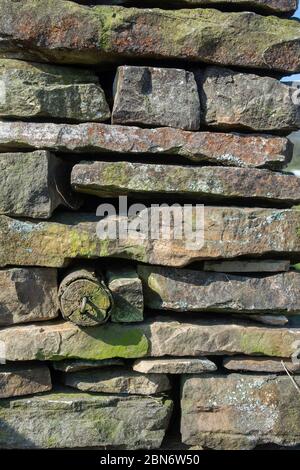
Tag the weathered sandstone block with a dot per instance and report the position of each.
(117, 380)
(65, 32)
(239, 411)
(186, 365)
(243, 150)
(75, 365)
(233, 100)
(34, 184)
(63, 419)
(247, 266)
(24, 379)
(146, 96)
(228, 232)
(260, 364)
(27, 294)
(184, 290)
(156, 338)
(111, 179)
(31, 90)
(127, 291)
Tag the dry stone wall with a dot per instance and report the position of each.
(102, 102)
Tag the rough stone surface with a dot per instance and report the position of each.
(243, 150)
(70, 365)
(34, 184)
(233, 100)
(65, 340)
(65, 32)
(158, 337)
(228, 232)
(146, 96)
(111, 179)
(32, 90)
(186, 365)
(103, 421)
(185, 290)
(239, 411)
(127, 291)
(27, 294)
(117, 381)
(275, 320)
(247, 266)
(259, 364)
(17, 380)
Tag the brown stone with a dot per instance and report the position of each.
(73, 365)
(178, 365)
(260, 364)
(24, 379)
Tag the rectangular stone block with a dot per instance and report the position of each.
(128, 297)
(155, 97)
(233, 100)
(71, 420)
(112, 179)
(228, 232)
(247, 266)
(261, 364)
(33, 90)
(186, 365)
(27, 295)
(24, 379)
(111, 34)
(184, 290)
(239, 411)
(242, 150)
(34, 184)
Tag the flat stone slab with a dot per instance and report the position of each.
(156, 338)
(68, 236)
(104, 421)
(239, 411)
(34, 184)
(117, 380)
(275, 320)
(70, 365)
(178, 365)
(24, 379)
(146, 96)
(27, 295)
(242, 150)
(233, 100)
(245, 266)
(112, 179)
(260, 364)
(127, 291)
(184, 290)
(111, 34)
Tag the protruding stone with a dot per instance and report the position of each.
(31, 90)
(117, 381)
(239, 411)
(248, 266)
(27, 295)
(34, 184)
(233, 100)
(242, 150)
(24, 379)
(65, 32)
(111, 179)
(127, 291)
(260, 364)
(146, 96)
(68, 236)
(178, 365)
(75, 365)
(185, 290)
(71, 420)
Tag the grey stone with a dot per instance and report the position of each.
(71, 420)
(152, 96)
(27, 295)
(117, 380)
(178, 365)
(24, 379)
(233, 100)
(32, 90)
(238, 411)
(247, 266)
(275, 320)
(70, 365)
